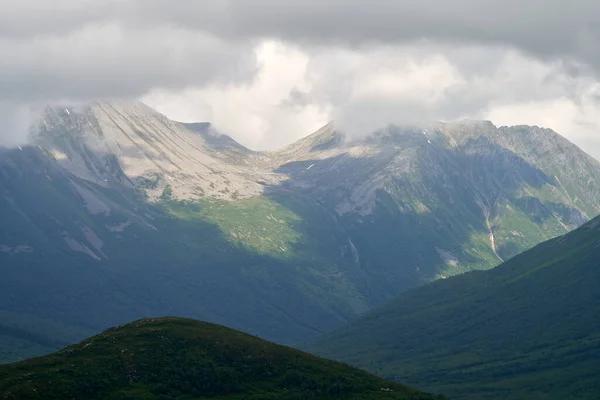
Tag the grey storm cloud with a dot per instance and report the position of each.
(109, 60)
(78, 50)
(547, 28)
(83, 48)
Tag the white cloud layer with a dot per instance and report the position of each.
(258, 113)
(270, 72)
(299, 89)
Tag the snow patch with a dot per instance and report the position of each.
(78, 247)
(355, 255)
(92, 239)
(59, 155)
(119, 227)
(23, 248)
(447, 256)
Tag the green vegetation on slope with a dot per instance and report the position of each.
(315, 247)
(258, 223)
(528, 329)
(215, 261)
(173, 358)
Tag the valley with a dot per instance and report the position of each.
(526, 329)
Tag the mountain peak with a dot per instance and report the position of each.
(132, 144)
(460, 132)
(323, 141)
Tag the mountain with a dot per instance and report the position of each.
(101, 226)
(173, 358)
(114, 213)
(528, 329)
(26, 336)
(467, 195)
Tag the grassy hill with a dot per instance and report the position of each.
(528, 329)
(174, 358)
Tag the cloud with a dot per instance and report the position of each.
(82, 48)
(298, 89)
(27, 18)
(546, 28)
(115, 61)
(17, 120)
(77, 51)
(261, 113)
(270, 72)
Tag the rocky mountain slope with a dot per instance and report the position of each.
(133, 145)
(527, 329)
(116, 213)
(171, 358)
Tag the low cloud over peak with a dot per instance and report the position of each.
(270, 72)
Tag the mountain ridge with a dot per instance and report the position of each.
(120, 210)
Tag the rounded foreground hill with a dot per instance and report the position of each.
(174, 358)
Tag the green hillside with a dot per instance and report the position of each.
(528, 329)
(174, 358)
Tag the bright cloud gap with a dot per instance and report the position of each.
(299, 89)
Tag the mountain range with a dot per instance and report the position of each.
(527, 329)
(114, 213)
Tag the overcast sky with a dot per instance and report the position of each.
(268, 72)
